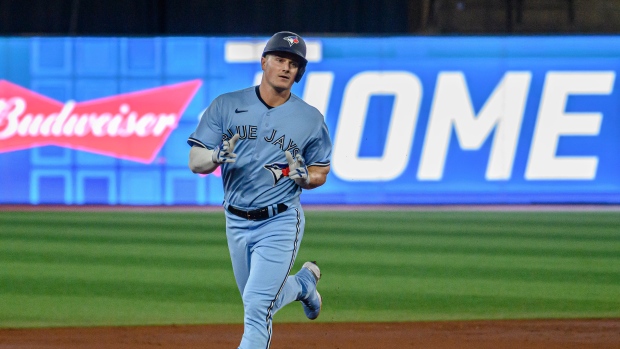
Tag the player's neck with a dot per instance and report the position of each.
(272, 96)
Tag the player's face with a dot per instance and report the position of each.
(279, 70)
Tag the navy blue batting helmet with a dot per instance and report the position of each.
(292, 43)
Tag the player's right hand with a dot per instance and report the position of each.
(224, 152)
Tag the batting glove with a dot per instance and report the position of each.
(298, 171)
(224, 152)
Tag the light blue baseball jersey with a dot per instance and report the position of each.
(256, 179)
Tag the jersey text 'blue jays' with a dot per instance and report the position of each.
(265, 133)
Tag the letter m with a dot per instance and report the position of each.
(452, 108)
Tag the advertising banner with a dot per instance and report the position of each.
(414, 120)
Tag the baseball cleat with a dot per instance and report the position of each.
(311, 301)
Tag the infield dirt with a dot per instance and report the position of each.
(506, 334)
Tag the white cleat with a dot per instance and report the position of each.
(312, 301)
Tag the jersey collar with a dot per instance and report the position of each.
(261, 98)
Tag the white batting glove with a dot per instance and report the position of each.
(297, 169)
(224, 152)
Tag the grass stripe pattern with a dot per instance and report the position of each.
(141, 268)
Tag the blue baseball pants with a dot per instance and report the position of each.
(262, 255)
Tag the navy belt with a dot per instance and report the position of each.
(258, 214)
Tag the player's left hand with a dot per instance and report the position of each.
(298, 171)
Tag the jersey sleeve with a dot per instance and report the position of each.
(208, 133)
(319, 149)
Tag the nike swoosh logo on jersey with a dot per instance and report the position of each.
(239, 111)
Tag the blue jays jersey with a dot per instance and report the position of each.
(258, 177)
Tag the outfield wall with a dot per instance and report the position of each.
(414, 120)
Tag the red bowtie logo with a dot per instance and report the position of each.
(132, 126)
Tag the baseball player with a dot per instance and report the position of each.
(270, 145)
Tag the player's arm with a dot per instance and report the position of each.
(317, 176)
(205, 161)
(200, 160)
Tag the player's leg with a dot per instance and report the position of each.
(302, 287)
(237, 235)
(269, 286)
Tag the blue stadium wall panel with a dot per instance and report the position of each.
(414, 120)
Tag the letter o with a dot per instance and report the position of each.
(407, 90)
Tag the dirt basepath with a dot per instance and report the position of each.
(521, 334)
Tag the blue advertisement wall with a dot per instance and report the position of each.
(414, 120)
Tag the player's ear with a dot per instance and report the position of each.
(263, 61)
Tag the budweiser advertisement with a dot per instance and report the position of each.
(132, 126)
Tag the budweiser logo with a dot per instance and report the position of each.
(132, 126)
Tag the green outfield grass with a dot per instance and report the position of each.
(122, 268)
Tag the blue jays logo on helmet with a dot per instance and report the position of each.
(292, 40)
(278, 171)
